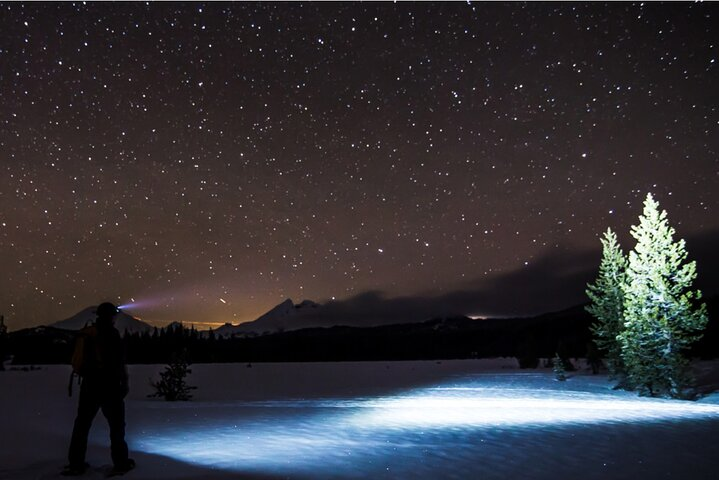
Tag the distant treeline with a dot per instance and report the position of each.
(529, 339)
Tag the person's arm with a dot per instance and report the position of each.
(124, 375)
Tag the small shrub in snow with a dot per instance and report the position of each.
(560, 373)
(172, 385)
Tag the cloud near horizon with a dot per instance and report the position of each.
(552, 282)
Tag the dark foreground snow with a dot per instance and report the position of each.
(458, 419)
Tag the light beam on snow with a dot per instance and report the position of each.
(314, 438)
(477, 408)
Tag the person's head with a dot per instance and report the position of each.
(105, 313)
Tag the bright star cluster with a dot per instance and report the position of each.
(218, 158)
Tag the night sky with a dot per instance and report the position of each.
(211, 160)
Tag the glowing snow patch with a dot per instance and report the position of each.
(444, 407)
(362, 436)
(271, 447)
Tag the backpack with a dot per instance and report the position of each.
(85, 355)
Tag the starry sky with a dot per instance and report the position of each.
(209, 161)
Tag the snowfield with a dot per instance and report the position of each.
(452, 419)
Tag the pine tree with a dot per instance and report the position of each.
(606, 295)
(593, 359)
(560, 373)
(662, 315)
(172, 385)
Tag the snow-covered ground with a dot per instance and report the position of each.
(481, 419)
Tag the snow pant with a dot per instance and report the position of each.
(112, 405)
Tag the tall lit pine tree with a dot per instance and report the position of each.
(662, 314)
(606, 297)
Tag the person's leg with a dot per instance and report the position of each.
(114, 411)
(87, 408)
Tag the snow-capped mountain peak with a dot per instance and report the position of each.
(123, 321)
(284, 316)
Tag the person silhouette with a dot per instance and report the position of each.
(104, 387)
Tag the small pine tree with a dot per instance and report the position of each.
(662, 316)
(606, 295)
(560, 372)
(593, 359)
(563, 353)
(172, 386)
